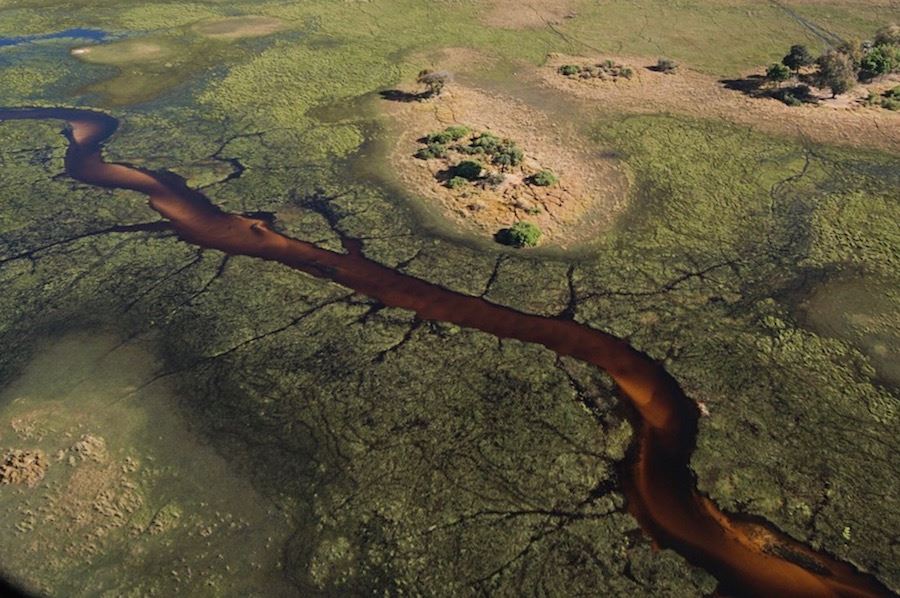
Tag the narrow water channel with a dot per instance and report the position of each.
(659, 485)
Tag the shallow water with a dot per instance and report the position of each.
(864, 313)
(74, 33)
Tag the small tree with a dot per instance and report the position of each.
(569, 70)
(854, 50)
(666, 65)
(836, 72)
(468, 169)
(433, 81)
(880, 60)
(520, 234)
(777, 73)
(797, 58)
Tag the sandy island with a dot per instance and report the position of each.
(590, 192)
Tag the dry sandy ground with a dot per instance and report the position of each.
(843, 121)
(590, 192)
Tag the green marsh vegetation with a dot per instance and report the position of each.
(391, 443)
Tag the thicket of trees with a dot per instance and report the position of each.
(839, 69)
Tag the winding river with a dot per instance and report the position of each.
(748, 559)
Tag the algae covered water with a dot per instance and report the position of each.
(119, 480)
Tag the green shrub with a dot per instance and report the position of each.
(791, 100)
(520, 234)
(508, 154)
(471, 150)
(457, 132)
(880, 60)
(495, 179)
(798, 57)
(441, 138)
(488, 142)
(544, 178)
(666, 65)
(467, 169)
(891, 104)
(626, 72)
(569, 69)
(778, 72)
(893, 93)
(504, 152)
(533, 210)
(432, 150)
(457, 182)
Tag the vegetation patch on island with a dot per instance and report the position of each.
(476, 163)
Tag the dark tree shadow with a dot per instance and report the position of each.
(396, 95)
(751, 85)
(756, 86)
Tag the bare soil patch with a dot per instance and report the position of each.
(239, 27)
(516, 14)
(845, 120)
(124, 52)
(590, 190)
(23, 467)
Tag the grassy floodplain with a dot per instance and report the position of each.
(418, 457)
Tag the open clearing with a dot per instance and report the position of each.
(239, 27)
(843, 121)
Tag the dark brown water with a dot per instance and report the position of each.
(659, 486)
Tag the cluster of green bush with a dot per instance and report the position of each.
(606, 69)
(841, 68)
(889, 99)
(437, 144)
(520, 234)
(500, 152)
